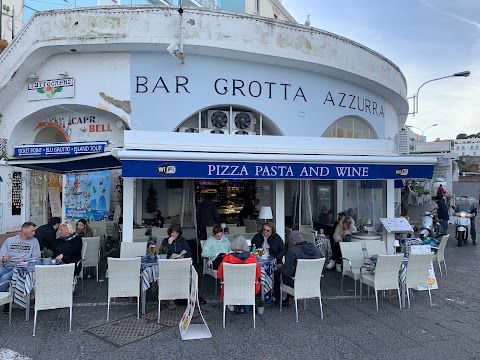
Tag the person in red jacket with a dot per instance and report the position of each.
(240, 254)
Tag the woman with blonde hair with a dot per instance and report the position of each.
(345, 227)
(68, 247)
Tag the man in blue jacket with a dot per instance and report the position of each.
(301, 249)
(442, 213)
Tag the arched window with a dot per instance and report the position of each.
(351, 127)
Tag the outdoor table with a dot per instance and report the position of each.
(23, 283)
(267, 267)
(324, 245)
(148, 275)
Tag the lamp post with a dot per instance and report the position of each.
(415, 97)
(423, 131)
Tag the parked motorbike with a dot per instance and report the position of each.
(462, 217)
(429, 225)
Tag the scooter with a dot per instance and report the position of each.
(463, 215)
(429, 225)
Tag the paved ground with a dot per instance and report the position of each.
(351, 329)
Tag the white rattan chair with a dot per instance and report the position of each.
(141, 239)
(308, 237)
(81, 261)
(130, 250)
(53, 289)
(209, 231)
(92, 253)
(418, 273)
(352, 261)
(250, 225)
(174, 280)
(123, 280)
(207, 269)
(386, 276)
(375, 247)
(6, 297)
(139, 232)
(440, 255)
(239, 286)
(306, 283)
(159, 232)
(237, 230)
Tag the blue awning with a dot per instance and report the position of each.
(69, 164)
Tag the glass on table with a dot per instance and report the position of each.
(153, 249)
(260, 252)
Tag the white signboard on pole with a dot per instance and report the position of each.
(193, 331)
(55, 202)
(425, 249)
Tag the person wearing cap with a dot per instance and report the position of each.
(300, 249)
(442, 214)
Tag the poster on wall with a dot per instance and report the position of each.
(55, 202)
(87, 195)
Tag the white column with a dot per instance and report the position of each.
(138, 214)
(390, 203)
(128, 198)
(340, 203)
(280, 208)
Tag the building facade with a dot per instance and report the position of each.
(206, 95)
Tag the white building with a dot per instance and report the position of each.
(310, 105)
(467, 147)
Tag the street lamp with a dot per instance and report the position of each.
(423, 131)
(415, 97)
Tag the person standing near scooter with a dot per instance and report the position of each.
(442, 214)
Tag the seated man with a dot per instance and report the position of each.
(18, 248)
(301, 249)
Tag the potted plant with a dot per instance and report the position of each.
(47, 256)
(162, 252)
(260, 306)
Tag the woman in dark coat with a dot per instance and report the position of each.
(68, 247)
(271, 243)
(176, 244)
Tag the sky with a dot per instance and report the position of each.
(426, 39)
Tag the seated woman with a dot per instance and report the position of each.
(215, 247)
(176, 245)
(240, 254)
(68, 247)
(345, 227)
(83, 229)
(271, 243)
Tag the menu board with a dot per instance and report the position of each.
(397, 225)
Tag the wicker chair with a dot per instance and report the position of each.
(375, 247)
(306, 283)
(123, 280)
(92, 253)
(237, 230)
(239, 286)
(6, 297)
(174, 282)
(418, 273)
(208, 270)
(309, 237)
(250, 225)
(141, 238)
(81, 261)
(131, 250)
(352, 259)
(385, 278)
(53, 289)
(440, 255)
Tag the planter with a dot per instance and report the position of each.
(260, 310)
(46, 261)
